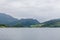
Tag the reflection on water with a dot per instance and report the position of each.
(29, 33)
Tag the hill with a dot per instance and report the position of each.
(52, 23)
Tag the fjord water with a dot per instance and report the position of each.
(29, 33)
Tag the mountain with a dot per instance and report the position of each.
(9, 20)
(26, 22)
(6, 19)
(52, 23)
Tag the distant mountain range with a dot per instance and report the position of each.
(8, 20)
(11, 21)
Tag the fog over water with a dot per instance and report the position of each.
(29, 33)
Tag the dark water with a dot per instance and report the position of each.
(29, 33)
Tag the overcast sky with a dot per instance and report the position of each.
(39, 9)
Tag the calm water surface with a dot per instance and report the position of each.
(29, 33)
